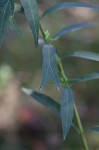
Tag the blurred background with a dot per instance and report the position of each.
(24, 123)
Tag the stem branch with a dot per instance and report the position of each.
(84, 141)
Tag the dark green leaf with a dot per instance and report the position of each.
(49, 67)
(12, 7)
(73, 28)
(5, 12)
(44, 99)
(85, 54)
(63, 5)
(91, 76)
(31, 12)
(14, 26)
(67, 109)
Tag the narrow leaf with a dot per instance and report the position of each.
(49, 67)
(44, 99)
(63, 5)
(85, 54)
(5, 12)
(12, 7)
(88, 77)
(73, 28)
(14, 26)
(31, 12)
(67, 109)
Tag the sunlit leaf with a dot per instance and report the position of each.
(63, 5)
(5, 12)
(67, 109)
(49, 67)
(84, 54)
(31, 12)
(73, 28)
(92, 76)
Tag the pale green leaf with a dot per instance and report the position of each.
(64, 5)
(49, 67)
(67, 109)
(31, 12)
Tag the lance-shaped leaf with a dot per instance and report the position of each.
(84, 54)
(88, 77)
(31, 12)
(63, 5)
(5, 12)
(67, 109)
(45, 100)
(73, 28)
(49, 67)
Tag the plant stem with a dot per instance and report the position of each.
(42, 32)
(84, 141)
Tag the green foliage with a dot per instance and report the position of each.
(67, 109)
(31, 12)
(73, 28)
(64, 5)
(5, 13)
(49, 68)
(52, 68)
(84, 54)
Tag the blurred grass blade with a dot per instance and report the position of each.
(31, 12)
(63, 5)
(73, 28)
(67, 109)
(49, 67)
(12, 7)
(14, 26)
(95, 129)
(92, 76)
(44, 99)
(84, 54)
(5, 12)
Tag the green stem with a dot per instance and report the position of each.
(65, 79)
(84, 141)
(42, 32)
(61, 69)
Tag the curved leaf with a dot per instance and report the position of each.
(31, 12)
(44, 99)
(5, 12)
(67, 109)
(14, 26)
(49, 67)
(88, 77)
(63, 5)
(73, 28)
(85, 54)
